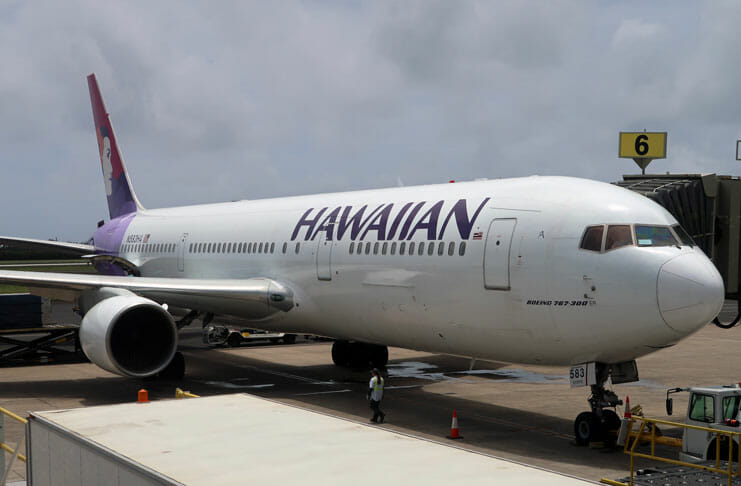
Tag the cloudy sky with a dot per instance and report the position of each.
(245, 100)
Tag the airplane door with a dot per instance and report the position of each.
(497, 253)
(181, 252)
(323, 257)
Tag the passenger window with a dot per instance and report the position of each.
(367, 248)
(618, 235)
(393, 248)
(430, 248)
(285, 247)
(702, 408)
(421, 249)
(298, 245)
(440, 248)
(402, 247)
(352, 247)
(384, 248)
(451, 248)
(375, 248)
(360, 247)
(272, 247)
(654, 236)
(411, 248)
(593, 238)
(266, 246)
(259, 250)
(462, 248)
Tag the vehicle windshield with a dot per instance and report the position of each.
(730, 406)
(654, 236)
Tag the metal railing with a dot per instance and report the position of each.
(644, 436)
(16, 452)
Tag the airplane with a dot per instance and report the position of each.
(532, 270)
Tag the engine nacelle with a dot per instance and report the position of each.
(129, 335)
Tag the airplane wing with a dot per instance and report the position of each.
(253, 298)
(61, 248)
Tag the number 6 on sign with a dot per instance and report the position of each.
(582, 375)
(642, 145)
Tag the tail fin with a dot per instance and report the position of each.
(121, 197)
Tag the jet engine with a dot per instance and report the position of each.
(129, 335)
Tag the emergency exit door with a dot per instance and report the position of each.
(497, 253)
(324, 257)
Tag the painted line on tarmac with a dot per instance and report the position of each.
(321, 393)
(290, 376)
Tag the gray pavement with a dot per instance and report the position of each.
(524, 413)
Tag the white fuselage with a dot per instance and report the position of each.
(522, 290)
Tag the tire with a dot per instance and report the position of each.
(234, 340)
(360, 355)
(176, 369)
(587, 428)
(341, 353)
(379, 355)
(610, 420)
(289, 338)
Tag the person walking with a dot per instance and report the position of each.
(375, 394)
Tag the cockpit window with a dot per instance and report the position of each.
(618, 235)
(684, 237)
(593, 238)
(655, 236)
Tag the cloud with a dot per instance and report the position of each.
(243, 100)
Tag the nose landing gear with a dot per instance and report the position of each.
(595, 426)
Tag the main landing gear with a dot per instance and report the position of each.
(358, 355)
(595, 426)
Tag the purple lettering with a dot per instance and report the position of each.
(397, 220)
(378, 223)
(461, 218)
(305, 221)
(327, 224)
(408, 222)
(428, 221)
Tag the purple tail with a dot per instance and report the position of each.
(121, 197)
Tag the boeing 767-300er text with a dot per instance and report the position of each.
(546, 270)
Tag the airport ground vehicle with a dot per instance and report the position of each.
(714, 407)
(229, 336)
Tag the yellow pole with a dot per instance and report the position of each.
(13, 416)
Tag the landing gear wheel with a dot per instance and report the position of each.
(176, 369)
(234, 340)
(289, 338)
(341, 353)
(379, 355)
(610, 423)
(587, 428)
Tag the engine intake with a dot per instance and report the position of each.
(129, 335)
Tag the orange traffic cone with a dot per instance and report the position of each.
(454, 432)
(627, 413)
(143, 396)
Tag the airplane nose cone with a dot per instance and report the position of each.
(690, 292)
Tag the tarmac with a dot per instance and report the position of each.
(523, 413)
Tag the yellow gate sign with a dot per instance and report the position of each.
(642, 145)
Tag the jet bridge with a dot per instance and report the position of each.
(708, 206)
